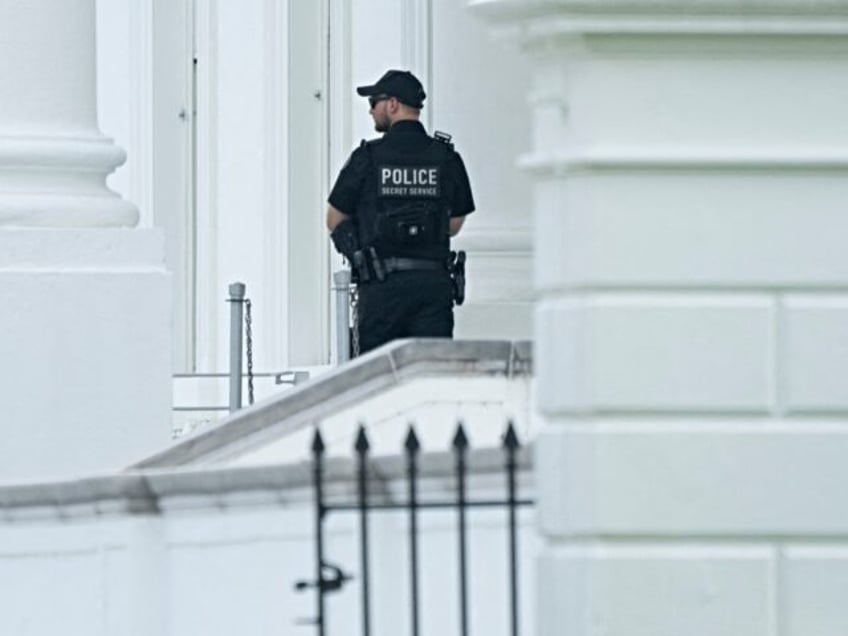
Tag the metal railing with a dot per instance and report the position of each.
(292, 378)
(241, 346)
(240, 314)
(341, 287)
(330, 578)
(237, 302)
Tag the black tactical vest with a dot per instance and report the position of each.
(404, 210)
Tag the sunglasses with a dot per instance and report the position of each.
(376, 99)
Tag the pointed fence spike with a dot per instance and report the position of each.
(412, 445)
(362, 446)
(460, 440)
(510, 439)
(318, 443)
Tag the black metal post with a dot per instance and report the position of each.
(460, 445)
(362, 446)
(511, 445)
(412, 448)
(318, 458)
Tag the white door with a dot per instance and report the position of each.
(222, 108)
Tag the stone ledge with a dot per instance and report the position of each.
(361, 378)
(505, 10)
(141, 493)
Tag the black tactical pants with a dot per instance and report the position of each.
(408, 304)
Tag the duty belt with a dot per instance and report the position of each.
(410, 264)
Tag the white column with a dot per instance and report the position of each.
(690, 163)
(490, 124)
(53, 159)
(85, 311)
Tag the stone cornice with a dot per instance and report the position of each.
(502, 9)
(706, 159)
(150, 493)
(530, 20)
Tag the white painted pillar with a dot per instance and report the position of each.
(690, 163)
(85, 311)
(469, 99)
(53, 159)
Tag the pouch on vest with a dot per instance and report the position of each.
(412, 224)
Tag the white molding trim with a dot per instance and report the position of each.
(307, 304)
(340, 86)
(339, 118)
(417, 45)
(510, 9)
(206, 162)
(658, 26)
(141, 34)
(323, 252)
(676, 160)
(539, 22)
(276, 181)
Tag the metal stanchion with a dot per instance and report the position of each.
(236, 300)
(341, 281)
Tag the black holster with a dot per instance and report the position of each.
(456, 267)
(345, 238)
(365, 265)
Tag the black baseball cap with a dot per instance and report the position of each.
(400, 84)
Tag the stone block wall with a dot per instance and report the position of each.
(689, 162)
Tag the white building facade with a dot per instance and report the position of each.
(689, 161)
(683, 179)
(220, 552)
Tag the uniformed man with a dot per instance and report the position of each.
(391, 213)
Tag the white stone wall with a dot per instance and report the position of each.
(219, 553)
(689, 161)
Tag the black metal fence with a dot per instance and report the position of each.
(330, 578)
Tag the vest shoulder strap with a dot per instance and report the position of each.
(368, 146)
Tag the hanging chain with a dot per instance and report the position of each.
(354, 314)
(248, 336)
